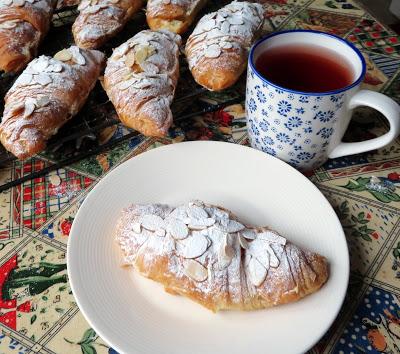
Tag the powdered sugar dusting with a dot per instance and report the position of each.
(157, 7)
(141, 76)
(233, 27)
(247, 269)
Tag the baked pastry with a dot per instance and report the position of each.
(217, 49)
(23, 24)
(99, 20)
(173, 15)
(204, 253)
(140, 80)
(45, 96)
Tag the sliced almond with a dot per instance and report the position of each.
(209, 25)
(177, 229)
(213, 51)
(225, 26)
(77, 56)
(152, 222)
(234, 226)
(249, 234)
(40, 64)
(63, 55)
(200, 224)
(142, 53)
(126, 84)
(114, 1)
(43, 79)
(19, 3)
(225, 253)
(195, 212)
(243, 242)
(56, 68)
(273, 259)
(136, 228)
(25, 79)
(43, 101)
(195, 270)
(194, 246)
(7, 2)
(236, 20)
(257, 272)
(29, 109)
(272, 237)
(130, 59)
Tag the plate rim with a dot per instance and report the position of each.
(104, 180)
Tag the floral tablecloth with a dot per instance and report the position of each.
(38, 313)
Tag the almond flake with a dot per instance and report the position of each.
(77, 56)
(40, 64)
(56, 68)
(177, 229)
(152, 222)
(166, 2)
(136, 228)
(194, 246)
(130, 59)
(142, 53)
(195, 270)
(209, 25)
(29, 109)
(25, 79)
(43, 101)
(226, 253)
(243, 243)
(7, 2)
(249, 234)
(273, 259)
(63, 55)
(225, 27)
(114, 1)
(195, 212)
(43, 79)
(200, 224)
(83, 5)
(19, 3)
(226, 45)
(235, 20)
(272, 237)
(257, 272)
(234, 226)
(213, 51)
(126, 84)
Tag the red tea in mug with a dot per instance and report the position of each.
(305, 68)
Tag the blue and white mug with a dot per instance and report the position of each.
(305, 129)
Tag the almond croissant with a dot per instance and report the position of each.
(202, 252)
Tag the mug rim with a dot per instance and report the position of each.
(333, 92)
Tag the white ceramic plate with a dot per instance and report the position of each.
(135, 315)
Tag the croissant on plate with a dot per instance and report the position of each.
(45, 96)
(23, 24)
(203, 252)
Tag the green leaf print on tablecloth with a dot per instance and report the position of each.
(88, 342)
(380, 188)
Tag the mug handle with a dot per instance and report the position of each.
(389, 108)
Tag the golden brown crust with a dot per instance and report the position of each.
(140, 80)
(292, 275)
(21, 30)
(46, 95)
(175, 16)
(100, 20)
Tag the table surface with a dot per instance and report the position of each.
(35, 218)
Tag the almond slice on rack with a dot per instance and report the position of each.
(63, 55)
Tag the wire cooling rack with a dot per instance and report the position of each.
(81, 137)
